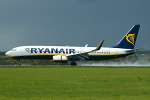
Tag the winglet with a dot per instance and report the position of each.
(99, 46)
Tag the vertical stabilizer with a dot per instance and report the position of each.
(129, 40)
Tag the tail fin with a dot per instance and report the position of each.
(128, 41)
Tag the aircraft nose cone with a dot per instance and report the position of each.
(7, 53)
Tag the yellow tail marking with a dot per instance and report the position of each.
(130, 38)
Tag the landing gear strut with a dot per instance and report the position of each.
(73, 63)
(19, 62)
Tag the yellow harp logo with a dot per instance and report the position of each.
(130, 38)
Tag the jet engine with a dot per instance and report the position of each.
(60, 58)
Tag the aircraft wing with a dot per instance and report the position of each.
(82, 56)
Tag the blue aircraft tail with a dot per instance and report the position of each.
(128, 41)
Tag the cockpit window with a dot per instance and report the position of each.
(14, 50)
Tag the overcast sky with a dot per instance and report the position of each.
(72, 22)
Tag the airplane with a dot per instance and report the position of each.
(70, 53)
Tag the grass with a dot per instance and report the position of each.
(74, 83)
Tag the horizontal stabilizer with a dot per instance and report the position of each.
(134, 50)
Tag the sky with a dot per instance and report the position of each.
(72, 22)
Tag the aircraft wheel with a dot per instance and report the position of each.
(73, 63)
(19, 62)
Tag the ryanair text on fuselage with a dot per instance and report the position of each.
(51, 50)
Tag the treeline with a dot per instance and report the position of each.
(2, 53)
(143, 52)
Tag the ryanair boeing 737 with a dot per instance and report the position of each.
(69, 53)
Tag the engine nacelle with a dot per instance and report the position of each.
(60, 58)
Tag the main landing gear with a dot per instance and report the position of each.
(19, 62)
(73, 63)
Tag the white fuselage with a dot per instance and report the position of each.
(47, 52)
